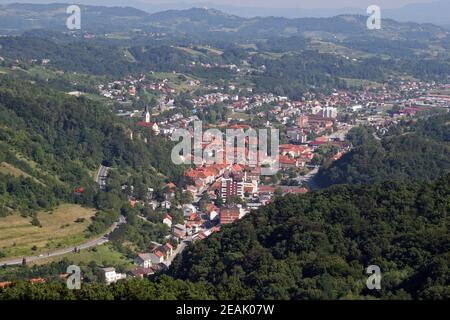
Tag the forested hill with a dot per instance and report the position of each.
(411, 151)
(52, 143)
(312, 246)
(318, 246)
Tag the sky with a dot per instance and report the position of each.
(306, 4)
(303, 3)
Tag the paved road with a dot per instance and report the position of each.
(306, 178)
(91, 243)
(178, 251)
(101, 176)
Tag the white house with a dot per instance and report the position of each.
(166, 204)
(143, 260)
(111, 276)
(168, 220)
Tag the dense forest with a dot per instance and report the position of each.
(317, 246)
(313, 246)
(411, 151)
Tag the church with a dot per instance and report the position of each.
(146, 123)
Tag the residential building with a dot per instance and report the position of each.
(229, 215)
(141, 272)
(232, 187)
(157, 257)
(111, 276)
(143, 260)
(168, 221)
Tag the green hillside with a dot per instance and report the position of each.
(52, 144)
(412, 151)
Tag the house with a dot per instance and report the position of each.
(188, 210)
(179, 231)
(37, 280)
(141, 272)
(167, 250)
(157, 257)
(111, 276)
(170, 191)
(153, 204)
(297, 135)
(168, 221)
(302, 121)
(286, 162)
(132, 202)
(166, 204)
(212, 212)
(152, 125)
(143, 260)
(229, 215)
(203, 175)
(294, 151)
(5, 284)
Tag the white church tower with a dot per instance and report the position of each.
(147, 115)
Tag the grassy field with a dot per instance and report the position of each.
(174, 81)
(212, 50)
(103, 255)
(361, 82)
(240, 116)
(59, 230)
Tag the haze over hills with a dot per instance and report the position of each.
(434, 12)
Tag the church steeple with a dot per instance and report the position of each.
(147, 115)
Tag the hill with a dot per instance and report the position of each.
(317, 246)
(55, 143)
(412, 151)
(21, 17)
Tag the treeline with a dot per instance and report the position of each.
(412, 151)
(165, 288)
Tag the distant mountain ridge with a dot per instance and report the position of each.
(434, 12)
(17, 18)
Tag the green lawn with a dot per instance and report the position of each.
(103, 255)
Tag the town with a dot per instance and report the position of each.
(314, 133)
